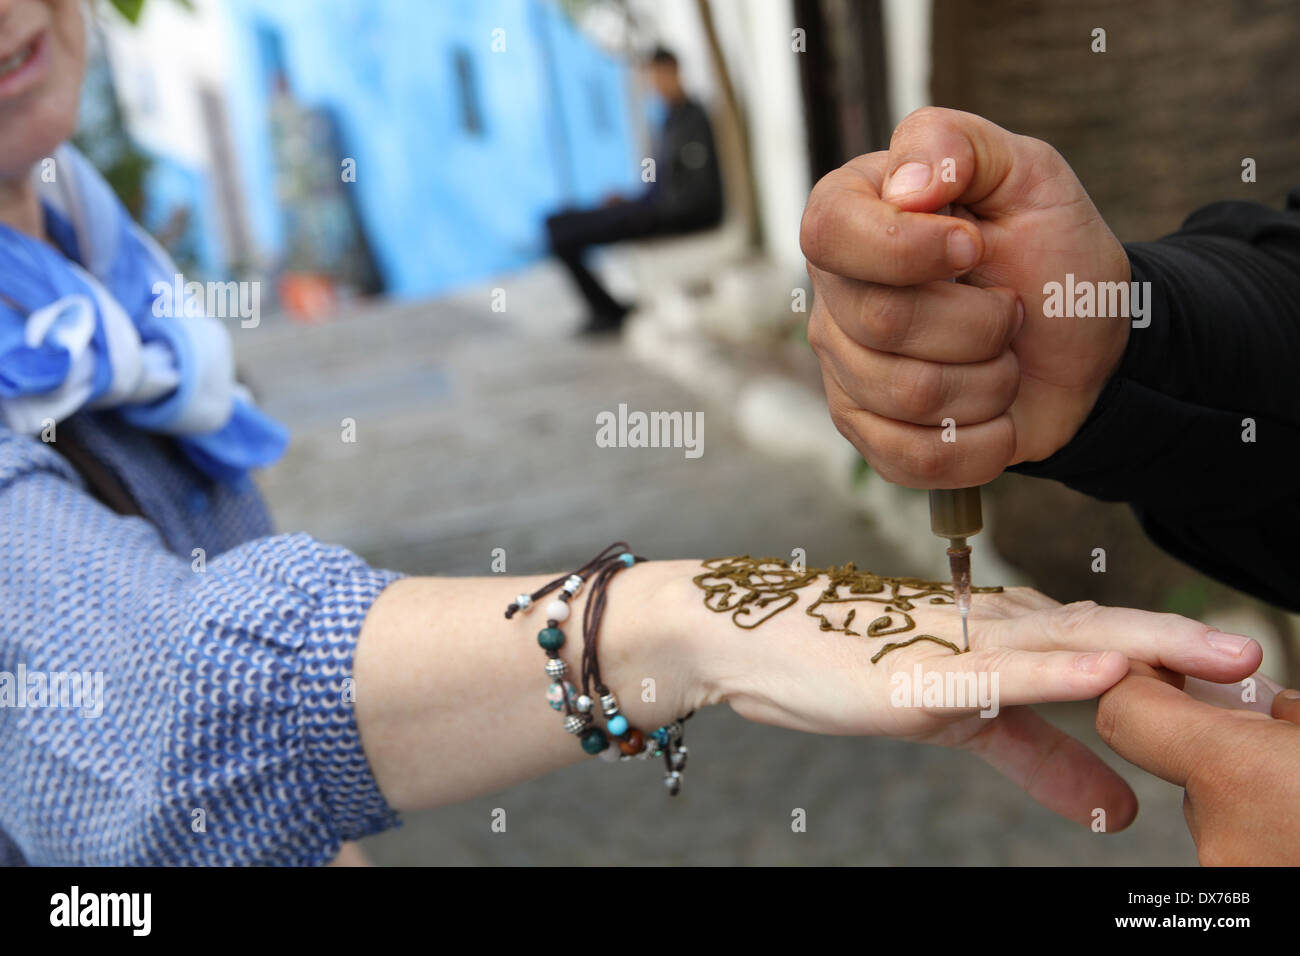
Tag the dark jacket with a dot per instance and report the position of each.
(1199, 429)
(687, 192)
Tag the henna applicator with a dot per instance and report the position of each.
(955, 514)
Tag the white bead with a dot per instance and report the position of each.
(610, 754)
(557, 610)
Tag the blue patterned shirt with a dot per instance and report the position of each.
(226, 733)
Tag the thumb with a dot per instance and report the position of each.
(1286, 706)
(940, 156)
(1162, 730)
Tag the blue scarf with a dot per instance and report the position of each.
(83, 330)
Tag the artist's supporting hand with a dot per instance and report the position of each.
(1240, 769)
(450, 696)
(901, 349)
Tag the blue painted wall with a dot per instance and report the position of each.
(169, 186)
(442, 205)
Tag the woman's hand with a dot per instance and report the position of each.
(1025, 649)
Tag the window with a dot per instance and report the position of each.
(471, 116)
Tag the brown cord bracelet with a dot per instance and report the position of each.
(666, 741)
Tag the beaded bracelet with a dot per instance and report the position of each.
(667, 741)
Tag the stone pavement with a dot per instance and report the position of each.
(475, 431)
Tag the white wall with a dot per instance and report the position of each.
(159, 65)
(907, 45)
(676, 24)
(756, 36)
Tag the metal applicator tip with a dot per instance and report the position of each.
(959, 564)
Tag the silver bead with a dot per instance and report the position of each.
(524, 602)
(673, 781)
(572, 584)
(678, 759)
(583, 703)
(575, 724)
(651, 749)
(609, 705)
(556, 668)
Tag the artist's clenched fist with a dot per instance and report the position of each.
(904, 352)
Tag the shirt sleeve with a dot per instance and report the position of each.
(167, 709)
(1199, 426)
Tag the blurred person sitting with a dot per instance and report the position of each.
(684, 196)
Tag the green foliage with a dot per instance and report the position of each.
(102, 137)
(127, 177)
(1189, 600)
(131, 9)
(861, 472)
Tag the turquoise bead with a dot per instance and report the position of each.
(594, 741)
(551, 638)
(627, 559)
(617, 725)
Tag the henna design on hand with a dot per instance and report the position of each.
(754, 590)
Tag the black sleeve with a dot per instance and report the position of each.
(1221, 356)
(691, 193)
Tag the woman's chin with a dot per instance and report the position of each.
(32, 135)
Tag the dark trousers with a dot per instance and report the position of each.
(572, 233)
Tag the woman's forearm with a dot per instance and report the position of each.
(451, 696)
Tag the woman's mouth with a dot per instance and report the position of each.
(11, 63)
(20, 69)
